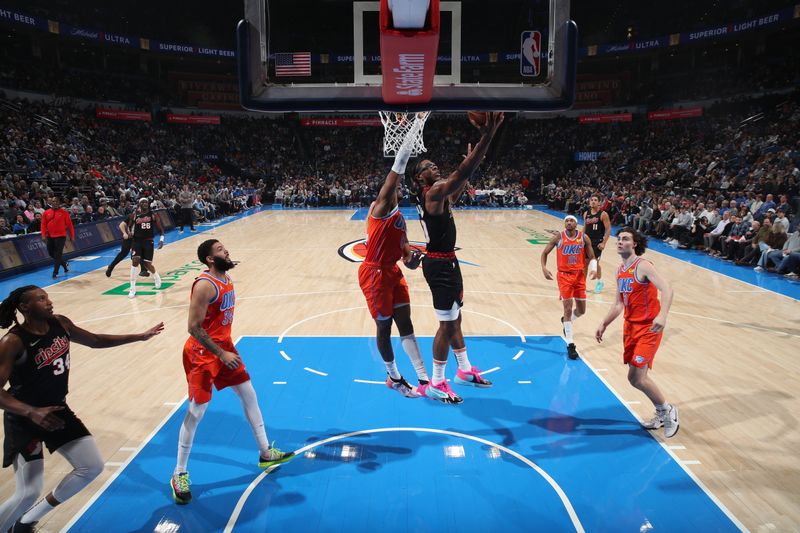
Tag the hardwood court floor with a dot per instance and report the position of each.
(728, 359)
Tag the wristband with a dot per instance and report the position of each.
(161, 239)
(593, 265)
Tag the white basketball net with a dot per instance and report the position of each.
(398, 127)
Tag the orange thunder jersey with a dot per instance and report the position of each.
(385, 238)
(219, 314)
(640, 298)
(570, 254)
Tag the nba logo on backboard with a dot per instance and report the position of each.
(530, 61)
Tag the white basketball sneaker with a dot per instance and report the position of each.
(671, 421)
(656, 422)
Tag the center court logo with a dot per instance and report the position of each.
(356, 251)
(168, 279)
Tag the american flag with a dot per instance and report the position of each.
(293, 64)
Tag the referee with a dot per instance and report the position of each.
(55, 223)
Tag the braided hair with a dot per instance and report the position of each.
(9, 306)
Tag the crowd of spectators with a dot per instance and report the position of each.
(727, 184)
(348, 167)
(700, 183)
(101, 169)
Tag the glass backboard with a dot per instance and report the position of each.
(312, 55)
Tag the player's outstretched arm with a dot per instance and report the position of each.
(455, 182)
(387, 196)
(102, 340)
(456, 196)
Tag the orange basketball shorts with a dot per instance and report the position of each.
(384, 288)
(204, 369)
(571, 285)
(640, 344)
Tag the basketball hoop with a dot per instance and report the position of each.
(398, 127)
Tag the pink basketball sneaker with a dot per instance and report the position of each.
(472, 378)
(442, 392)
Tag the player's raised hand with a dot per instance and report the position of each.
(493, 121)
(489, 125)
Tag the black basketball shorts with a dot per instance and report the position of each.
(142, 249)
(447, 286)
(24, 437)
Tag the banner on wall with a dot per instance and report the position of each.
(118, 114)
(9, 258)
(336, 122)
(87, 236)
(30, 251)
(192, 119)
(31, 248)
(600, 119)
(730, 29)
(588, 156)
(18, 17)
(672, 114)
(773, 19)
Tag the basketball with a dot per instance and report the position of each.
(478, 117)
